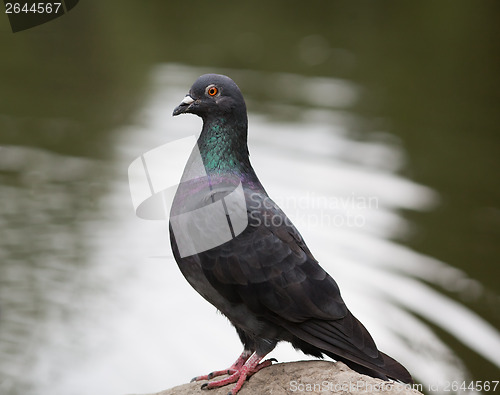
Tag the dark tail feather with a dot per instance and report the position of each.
(347, 340)
(392, 369)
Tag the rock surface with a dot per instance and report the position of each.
(304, 377)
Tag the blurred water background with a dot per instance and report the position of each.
(373, 124)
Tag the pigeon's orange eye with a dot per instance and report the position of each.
(212, 90)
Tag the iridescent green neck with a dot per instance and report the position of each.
(223, 146)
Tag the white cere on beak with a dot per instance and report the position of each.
(187, 100)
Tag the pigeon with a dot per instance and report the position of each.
(239, 250)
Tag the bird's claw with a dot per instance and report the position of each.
(238, 373)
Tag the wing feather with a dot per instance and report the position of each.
(269, 268)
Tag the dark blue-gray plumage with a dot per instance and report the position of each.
(264, 279)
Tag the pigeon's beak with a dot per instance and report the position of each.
(184, 106)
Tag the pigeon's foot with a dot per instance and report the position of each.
(234, 367)
(248, 365)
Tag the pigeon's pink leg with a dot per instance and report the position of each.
(239, 375)
(234, 367)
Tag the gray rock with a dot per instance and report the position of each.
(304, 377)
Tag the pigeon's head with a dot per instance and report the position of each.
(213, 95)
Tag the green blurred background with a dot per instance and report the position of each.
(428, 72)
